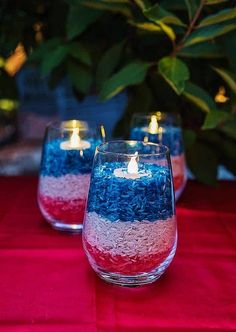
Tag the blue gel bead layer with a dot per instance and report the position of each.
(58, 162)
(118, 199)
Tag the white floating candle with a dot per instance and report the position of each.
(132, 170)
(75, 142)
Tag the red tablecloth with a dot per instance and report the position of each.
(47, 285)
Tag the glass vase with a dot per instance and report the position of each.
(66, 164)
(164, 128)
(130, 232)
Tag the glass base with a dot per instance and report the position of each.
(134, 280)
(60, 225)
(69, 228)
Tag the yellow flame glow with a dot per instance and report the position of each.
(158, 115)
(133, 165)
(153, 125)
(220, 96)
(103, 132)
(15, 61)
(75, 138)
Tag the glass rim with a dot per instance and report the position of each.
(166, 151)
(163, 115)
(61, 125)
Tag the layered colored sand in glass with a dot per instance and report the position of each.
(130, 224)
(64, 182)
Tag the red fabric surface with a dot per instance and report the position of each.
(47, 285)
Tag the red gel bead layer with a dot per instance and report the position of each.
(66, 211)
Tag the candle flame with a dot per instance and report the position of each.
(153, 125)
(75, 139)
(133, 165)
(220, 96)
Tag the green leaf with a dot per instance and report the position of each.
(79, 52)
(132, 74)
(229, 46)
(142, 4)
(80, 77)
(189, 137)
(147, 26)
(116, 7)
(79, 19)
(226, 14)
(158, 14)
(2, 62)
(229, 128)
(228, 77)
(108, 63)
(116, 1)
(214, 2)
(173, 5)
(214, 118)
(192, 6)
(206, 50)
(203, 162)
(209, 32)
(167, 30)
(175, 72)
(53, 59)
(44, 48)
(199, 97)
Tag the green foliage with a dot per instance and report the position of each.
(79, 18)
(207, 50)
(203, 162)
(189, 137)
(175, 72)
(53, 59)
(210, 32)
(214, 119)
(80, 77)
(131, 74)
(168, 55)
(108, 63)
(222, 16)
(192, 6)
(158, 14)
(228, 77)
(199, 97)
(79, 52)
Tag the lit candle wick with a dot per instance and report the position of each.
(153, 125)
(133, 165)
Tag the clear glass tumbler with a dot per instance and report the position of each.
(130, 231)
(67, 158)
(164, 128)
